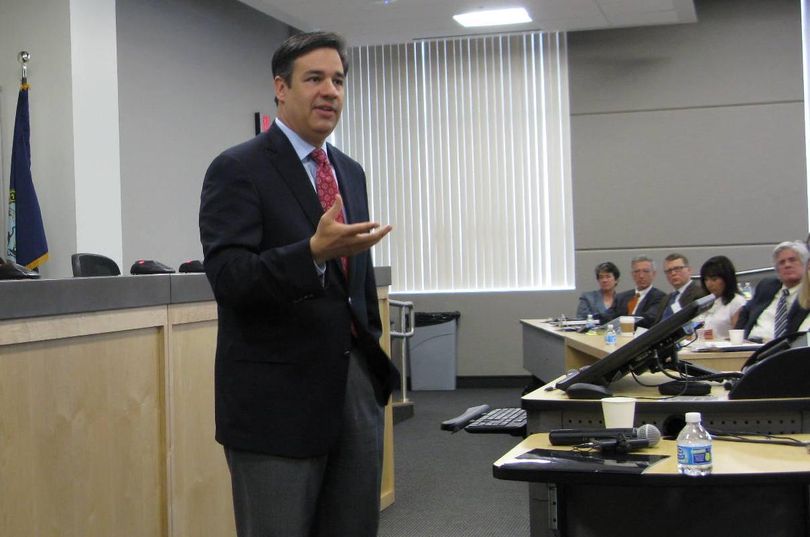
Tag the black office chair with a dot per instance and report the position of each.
(85, 265)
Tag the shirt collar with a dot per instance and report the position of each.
(791, 290)
(684, 286)
(302, 147)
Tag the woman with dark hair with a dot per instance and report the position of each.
(599, 301)
(718, 277)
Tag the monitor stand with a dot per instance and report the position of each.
(688, 368)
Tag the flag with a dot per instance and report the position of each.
(26, 235)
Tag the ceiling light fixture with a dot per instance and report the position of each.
(494, 17)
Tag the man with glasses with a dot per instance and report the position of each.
(685, 291)
(773, 311)
(644, 300)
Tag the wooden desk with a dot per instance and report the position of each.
(549, 352)
(753, 490)
(547, 410)
(107, 420)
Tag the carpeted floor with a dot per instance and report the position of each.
(444, 484)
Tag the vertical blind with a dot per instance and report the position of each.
(466, 147)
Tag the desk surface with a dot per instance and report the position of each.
(594, 345)
(647, 395)
(732, 461)
(547, 410)
(753, 489)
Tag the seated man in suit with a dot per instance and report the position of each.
(644, 300)
(685, 291)
(773, 310)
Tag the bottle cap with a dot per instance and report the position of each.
(693, 417)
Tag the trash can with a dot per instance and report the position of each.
(432, 351)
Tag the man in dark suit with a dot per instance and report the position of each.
(300, 377)
(685, 291)
(643, 301)
(760, 317)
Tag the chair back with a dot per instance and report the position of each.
(85, 265)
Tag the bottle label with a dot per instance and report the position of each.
(695, 455)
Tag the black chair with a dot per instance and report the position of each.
(85, 265)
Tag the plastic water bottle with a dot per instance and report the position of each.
(694, 447)
(589, 322)
(746, 290)
(610, 336)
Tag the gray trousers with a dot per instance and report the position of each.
(335, 495)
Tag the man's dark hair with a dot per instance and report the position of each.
(674, 257)
(300, 44)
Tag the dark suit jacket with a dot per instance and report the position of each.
(763, 296)
(692, 293)
(284, 338)
(647, 308)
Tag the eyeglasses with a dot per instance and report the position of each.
(670, 270)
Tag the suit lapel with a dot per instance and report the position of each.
(290, 169)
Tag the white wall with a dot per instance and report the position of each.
(97, 163)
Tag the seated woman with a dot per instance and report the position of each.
(597, 302)
(718, 277)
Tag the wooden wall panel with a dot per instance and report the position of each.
(200, 491)
(81, 436)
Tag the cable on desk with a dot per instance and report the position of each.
(758, 438)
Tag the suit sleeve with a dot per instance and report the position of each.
(583, 308)
(233, 225)
(653, 310)
(372, 305)
(742, 320)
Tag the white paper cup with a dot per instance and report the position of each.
(627, 324)
(736, 337)
(618, 412)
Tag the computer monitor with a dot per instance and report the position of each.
(639, 355)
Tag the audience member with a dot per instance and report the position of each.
(804, 294)
(773, 310)
(644, 300)
(597, 302)
(718, 277)
(679, 274)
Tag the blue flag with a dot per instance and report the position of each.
(26, 235)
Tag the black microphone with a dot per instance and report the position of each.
(623, 444)
(574, 437)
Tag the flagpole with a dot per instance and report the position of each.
(27, 244)
(23, 57)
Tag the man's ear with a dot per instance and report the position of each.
(281, 88)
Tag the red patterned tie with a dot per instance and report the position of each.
(327, 189)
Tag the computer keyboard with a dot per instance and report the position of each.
(500, 420)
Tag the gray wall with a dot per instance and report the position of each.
(42, 28)
(191, 74)
(700, 124)
(684, 137)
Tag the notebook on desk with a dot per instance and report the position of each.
(550, 460)
(725, 346)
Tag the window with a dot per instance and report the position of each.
(465, 143)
